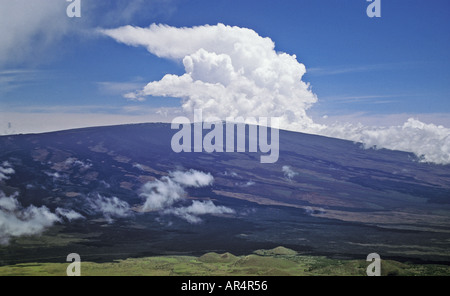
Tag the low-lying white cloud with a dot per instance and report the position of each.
(72, 161)
(245, 184)
(54, 175)
(233, 71)
(110, 207)
(69, 215)
(231, 174)
(288, 172)
(161, 195)
(198, 208)
(429, 142)
(138, 166)
(5, 171)
(192, 178)
(16, 220)
(311, 211)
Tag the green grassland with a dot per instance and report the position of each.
(275, 262)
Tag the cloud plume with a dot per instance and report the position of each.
(230, 71)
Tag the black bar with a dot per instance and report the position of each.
(225, 285)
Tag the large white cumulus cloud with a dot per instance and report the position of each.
(230, 71)
(233, 71)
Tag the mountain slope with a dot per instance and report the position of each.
(322, 196)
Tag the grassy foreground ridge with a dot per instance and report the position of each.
(279, 261)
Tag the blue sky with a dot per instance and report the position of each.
(359, 67)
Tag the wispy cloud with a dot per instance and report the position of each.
(17, 78)
(350, 69)
(370, 99)
(118, 12)
(30, 29)
(323, 71)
